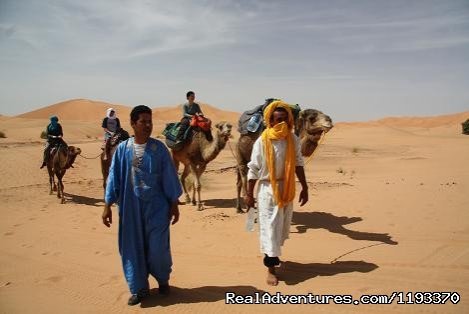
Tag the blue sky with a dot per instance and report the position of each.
(355, 60)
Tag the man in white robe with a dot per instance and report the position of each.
(275, 213)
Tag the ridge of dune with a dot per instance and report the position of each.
(426, 122)
(91, 111)
(76, 109)
(414, 121)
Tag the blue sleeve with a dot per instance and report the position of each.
(114, 178)
(171, 185)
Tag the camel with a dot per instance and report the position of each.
(61, 158)
(119, 136)
(196, 154)
(309, 127)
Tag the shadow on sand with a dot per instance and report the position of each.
(84, 200)
(221, 202)
(195, 295)
(293, 273)
(320, 220)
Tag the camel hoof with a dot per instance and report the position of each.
(200, 207)
(240, 211)
(62, 201)
(188, 200)
(194, 203)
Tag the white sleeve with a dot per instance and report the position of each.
(256, 160)
(299, 157)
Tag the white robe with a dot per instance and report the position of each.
(274, 222)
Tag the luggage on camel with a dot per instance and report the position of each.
(202, 122)
(252, 121)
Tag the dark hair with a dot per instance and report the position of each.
(281, 109)
(137, 110)
(189, 93)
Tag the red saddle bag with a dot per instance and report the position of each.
(203, 123)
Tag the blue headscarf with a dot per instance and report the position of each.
(54, 122)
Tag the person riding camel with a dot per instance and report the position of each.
(110, 125)
(54, 135)
(190, 110)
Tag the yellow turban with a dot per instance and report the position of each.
(280, 131)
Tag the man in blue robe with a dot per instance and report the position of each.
(144, 183)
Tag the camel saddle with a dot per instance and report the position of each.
(202, 122)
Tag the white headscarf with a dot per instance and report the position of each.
(108, 113)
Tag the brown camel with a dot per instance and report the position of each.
(61, 158)
(309, 126)
(196, 154)
(119, 136)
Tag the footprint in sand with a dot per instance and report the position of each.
(110, 281)
(9, 233)
(55, 279)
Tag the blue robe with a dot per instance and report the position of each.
(144, 192)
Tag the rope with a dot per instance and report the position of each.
(84, 157)
(323, 136)
(232, 152)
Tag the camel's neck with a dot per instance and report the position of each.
(213, 148)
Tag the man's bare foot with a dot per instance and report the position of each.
(272, 279)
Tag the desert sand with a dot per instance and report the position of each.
(388, 212)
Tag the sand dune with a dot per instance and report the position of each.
(89, 110)
(387, 213)
(77, 109)
(81, 119)
(416, 122)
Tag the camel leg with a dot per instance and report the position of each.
(176, 163)
(194, 188)
(243, 184)
(184, 175)
(104, 170)
(51, 181)
(239, 186)
(198, 186)
(61, 189)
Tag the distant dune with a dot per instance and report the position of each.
(91, 111)
(81, 120)
(417, 122)
(76, 109)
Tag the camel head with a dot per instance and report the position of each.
(224, 129)
(73, 152)
(311, 124)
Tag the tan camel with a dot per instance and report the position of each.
(309, 126)
(61, 158)
(119, 136)
(196, 154)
